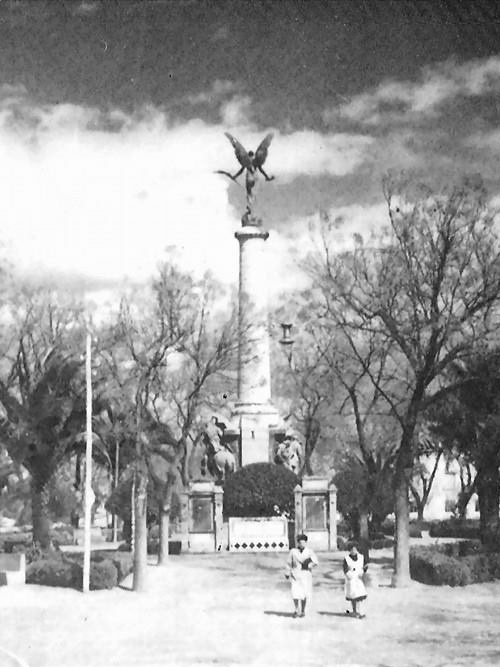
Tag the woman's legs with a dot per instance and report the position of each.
(296, 604)
(303, 606)
(360, 605)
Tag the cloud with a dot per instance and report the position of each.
(220, 89)
(236, 111)
(87, 8)
(100, 196)
(400, 101)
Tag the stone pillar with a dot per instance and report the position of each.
(218, 518)
(316, 513)
(332, 516)
(254, 374)
(253, 406)
(204, 516)
(184, 500)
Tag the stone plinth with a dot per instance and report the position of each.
(316, 513)
(202, 517)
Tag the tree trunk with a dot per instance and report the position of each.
(141, 533)
(363, 524)
(488, 492)
(420, 511)
(39, 512)
(164, 521)
(401, 576)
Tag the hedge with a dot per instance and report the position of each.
(444, 565)
(389, 529)
(56, 569)
(260, 489)
(468, 529)
(345, 545)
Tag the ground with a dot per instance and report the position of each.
(235, 609)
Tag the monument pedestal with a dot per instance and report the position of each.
(257, 426)
(316, 513)
(202, 517)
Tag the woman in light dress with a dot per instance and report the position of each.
(355, 592)
(301, 561)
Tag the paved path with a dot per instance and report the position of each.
(234, 609)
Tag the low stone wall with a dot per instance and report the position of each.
(256, 534)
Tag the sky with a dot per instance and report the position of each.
(113, 113)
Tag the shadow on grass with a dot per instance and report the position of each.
(382, 560)
(284, 614)
(336, 613)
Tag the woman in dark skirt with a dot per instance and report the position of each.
(355, 592)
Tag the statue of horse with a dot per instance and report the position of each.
(218, 459)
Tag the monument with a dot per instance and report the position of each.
(258, 420)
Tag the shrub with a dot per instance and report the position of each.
(260, 489)
(123, 561)
(103, 575)
(56, 569)
(343, 528)
(388, 528)
(494, 564)
(53, 570)
(432, 566)
(62, 536)
(386, 543)
(16, 542)
(341, 543)
(377, 536)
(468, 529)
(456, 564)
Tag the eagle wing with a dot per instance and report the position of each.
(241, 154)
(261, 152)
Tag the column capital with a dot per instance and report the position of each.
(251, 232)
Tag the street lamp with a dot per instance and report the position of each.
(286, 339)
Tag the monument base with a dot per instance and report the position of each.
(258, 423)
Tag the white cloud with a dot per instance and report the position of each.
(236, 111)
(103, 195)
(220, 89)
(393, 101)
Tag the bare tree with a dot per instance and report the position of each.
(168, 353)
(429, 284)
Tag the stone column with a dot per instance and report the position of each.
(332, 516)
(253, 406)
(254, 374)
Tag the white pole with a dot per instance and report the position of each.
(88, 469)
(115, 485)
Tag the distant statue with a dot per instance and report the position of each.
(218, 459)
(289, 453)
(252, 163)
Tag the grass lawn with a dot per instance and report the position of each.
(234, 609)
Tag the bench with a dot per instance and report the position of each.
(12, 569)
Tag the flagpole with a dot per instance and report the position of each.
(88, 468)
